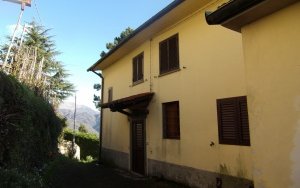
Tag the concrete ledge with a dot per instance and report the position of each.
(115, 158)
(194, 177)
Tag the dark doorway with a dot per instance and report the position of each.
(138, 146)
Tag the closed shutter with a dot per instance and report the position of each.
(171, 119)
(245, 133)
(173, 53)
(169, 54)
(163, 57)
(137, 68)
(227, 116)
(134, 70)
(233, 121)
(140, 67)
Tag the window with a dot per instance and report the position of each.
(169, 55)
(110, 94)
(137, 68)
(171, 125)
(233, 121)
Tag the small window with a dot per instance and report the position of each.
(110, 94)
(138, 68)
(169, 55)
(171, 120)
(233, 121)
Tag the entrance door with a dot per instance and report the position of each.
(138, 146)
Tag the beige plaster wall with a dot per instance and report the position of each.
(211, 67)
(271, 48)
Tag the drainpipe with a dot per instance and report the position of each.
(101, 116)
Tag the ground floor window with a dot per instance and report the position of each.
(233, 121)
(171, 120)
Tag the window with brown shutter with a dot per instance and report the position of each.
(233, 121)
(171, 120)
(169, 55)
(138, 68)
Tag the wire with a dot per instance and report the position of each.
(37, 11)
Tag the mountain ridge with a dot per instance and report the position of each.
(84, 115)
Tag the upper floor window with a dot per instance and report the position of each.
(233, 121)
(138, 68)
(169, 55)
(171, 120)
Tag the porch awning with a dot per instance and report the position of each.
(136, 104)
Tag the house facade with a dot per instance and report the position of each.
(270, 31)
(175, 100)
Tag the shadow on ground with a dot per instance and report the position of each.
(73, 174)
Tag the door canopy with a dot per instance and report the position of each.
(132, 106)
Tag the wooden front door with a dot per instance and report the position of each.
(138, 146)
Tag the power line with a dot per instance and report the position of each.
(37, 11)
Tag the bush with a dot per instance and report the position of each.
(13, 178)
(57, 170)
(88, 143)
(29, 128)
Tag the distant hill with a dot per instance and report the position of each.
(84, 115)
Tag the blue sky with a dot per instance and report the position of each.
(81, 30)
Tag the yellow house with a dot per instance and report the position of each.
(271, 41)
(175, 100)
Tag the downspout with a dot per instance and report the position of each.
(101, 116)
(151, 84)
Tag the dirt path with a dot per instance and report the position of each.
(90, 175)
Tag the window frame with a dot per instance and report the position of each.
(135, 69)
(168, 66)
(167, 134)
(239, 122)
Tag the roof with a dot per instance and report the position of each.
(139, 29)
(134, 102)
(237, 13)
(167, 17)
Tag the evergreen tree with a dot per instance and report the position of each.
(82, 128)
(97, 100)
(110, 45)
(46, 75)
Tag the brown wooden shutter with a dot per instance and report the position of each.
(233, 121)
(169, 54)
(137, 67)
(228, 133)
(171, 120)
(134, 69)
(140, 67)
(244, 122)
(173, 53)
(163, 57)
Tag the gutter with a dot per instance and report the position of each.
(237, 13)
(153, 19)
(229, 10)
(101, 117)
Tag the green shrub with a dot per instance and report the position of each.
(56, 172)
(13, 178)
(29, 128)
(88, 143)
(88, 159)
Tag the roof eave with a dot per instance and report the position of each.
(156, 17)
(237, 13)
